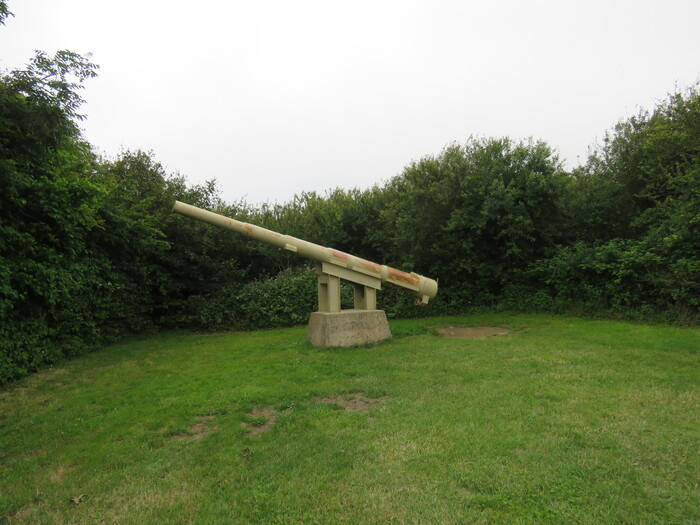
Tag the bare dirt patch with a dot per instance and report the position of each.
(355, 402)
(202, 428)
(58, 475)
(262, 420)
(50, 372)
(471, 332)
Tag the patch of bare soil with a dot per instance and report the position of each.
(263, 419)
(471, 332)
(356, 402)
(58, 475)
(44, 374)
(202, 428)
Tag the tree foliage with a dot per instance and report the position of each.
(4, 13)
(49, 206)
(644, 183)
(475, 215)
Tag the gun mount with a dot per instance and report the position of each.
(332, 266)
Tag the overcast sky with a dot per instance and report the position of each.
(273, 97)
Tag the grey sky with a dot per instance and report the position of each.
(273, 97)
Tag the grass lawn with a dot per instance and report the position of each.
(562, 420)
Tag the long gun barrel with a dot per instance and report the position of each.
(336, 262)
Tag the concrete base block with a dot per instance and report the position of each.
(348, 327)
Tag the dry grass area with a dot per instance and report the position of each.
(202, 428)
(260, 420)
(471, 332)
(355, 402)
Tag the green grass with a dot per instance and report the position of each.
(561, 421)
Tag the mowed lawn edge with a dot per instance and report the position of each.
(559, 420)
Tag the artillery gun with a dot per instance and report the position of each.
(330, 325)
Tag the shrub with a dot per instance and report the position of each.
(287, 299)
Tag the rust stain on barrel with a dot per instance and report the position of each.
(340, 255)
(248, 229)
(403, 276)
(376, 268)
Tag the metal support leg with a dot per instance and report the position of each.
(365, 297)
(328, 293)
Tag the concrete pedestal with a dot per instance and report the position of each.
(348, 327)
